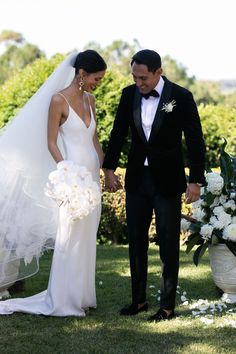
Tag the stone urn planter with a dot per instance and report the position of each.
(223, 265)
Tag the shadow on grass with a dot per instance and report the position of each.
(104, 330)
(114, 335)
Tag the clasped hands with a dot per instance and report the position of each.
(112, 181)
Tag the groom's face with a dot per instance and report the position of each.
(145, 80)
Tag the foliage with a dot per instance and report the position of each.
(11, 36)
(16, 91)
(207, 92)
(107, 99)
(217, 121)
(113, 226)
(176, 72)
(230, 99)
(214, 215)
(118, 54)
(17, 55)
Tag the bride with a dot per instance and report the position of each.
(61, 119)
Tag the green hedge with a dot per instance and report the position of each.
(218, 122)
(16, 91)
(113, 226)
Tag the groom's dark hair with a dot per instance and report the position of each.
(90, 61)
(147, 57)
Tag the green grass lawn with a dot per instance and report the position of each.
(105, 331)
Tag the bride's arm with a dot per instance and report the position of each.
(55, 115)
(96, 142)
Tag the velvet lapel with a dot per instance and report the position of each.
(137, 114)
(165, 98)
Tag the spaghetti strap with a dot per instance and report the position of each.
(90, 106)
(61, 94)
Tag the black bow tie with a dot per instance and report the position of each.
(153, 93)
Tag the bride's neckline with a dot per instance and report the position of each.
(81, 118)
(69, 105)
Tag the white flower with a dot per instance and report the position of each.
(215, 203)
(72, 185)
(233, 220)
(206, 231)
(222, 199)
(198, 214)
(221, 220)
(185, 225)
(197, 204)
(206, 320)
(229, 232)
(168, 107)
(216, 223)
(215, 183)
(218, 210)
(224, 218)
(230, 204)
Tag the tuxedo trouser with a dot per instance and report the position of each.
(139, 210)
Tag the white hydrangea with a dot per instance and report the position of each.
(206, 231)
(198, 214)
(216, 223)
(185, 225)
(222, 199)
(229, 232)
(218, 210)
(225, 218)
(230, 204)
(215, 183)
(197, 204)
(215, 203)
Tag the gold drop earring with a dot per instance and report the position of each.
(81, 83)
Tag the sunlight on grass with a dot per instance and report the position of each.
(104, 331)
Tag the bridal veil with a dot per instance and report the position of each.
(28, 219)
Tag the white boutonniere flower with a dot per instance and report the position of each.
(168, 107)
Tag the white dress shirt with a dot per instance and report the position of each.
(148, 111)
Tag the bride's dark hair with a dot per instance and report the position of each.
(90, 61)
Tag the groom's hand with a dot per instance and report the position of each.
(192, 193)
(112, 181)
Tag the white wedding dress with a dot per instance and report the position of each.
(71, 287)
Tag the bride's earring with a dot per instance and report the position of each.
(81, 83)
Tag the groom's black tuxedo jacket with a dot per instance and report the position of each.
(164, 147)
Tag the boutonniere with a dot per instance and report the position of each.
(168, 107)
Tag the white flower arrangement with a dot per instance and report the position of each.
(168, 107)
(214, 214)
(72, 185)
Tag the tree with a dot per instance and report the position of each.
(17, 55)
(176, 72)
(7, 36)
(207, 92)
(118, 54)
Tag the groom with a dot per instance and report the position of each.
(157, 112)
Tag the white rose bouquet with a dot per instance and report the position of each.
(214, 214)
(72, 185)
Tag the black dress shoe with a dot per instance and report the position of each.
(161, 315)
(133, 309)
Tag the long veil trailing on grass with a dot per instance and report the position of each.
(28, 218)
